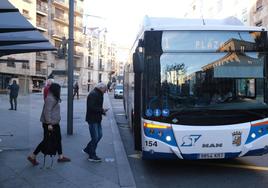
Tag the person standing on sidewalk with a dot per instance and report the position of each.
(76, 90)
(50, 118)
(94, 114)
(46, 88)
(14, 92)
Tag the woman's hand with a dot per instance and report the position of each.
(50, 127)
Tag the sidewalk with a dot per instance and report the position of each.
(24, 125)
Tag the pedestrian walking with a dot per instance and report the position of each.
(50, 119)
(46, 88)
(94, 114)
(76, 90)
(13, 94)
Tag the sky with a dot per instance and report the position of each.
(123, 17)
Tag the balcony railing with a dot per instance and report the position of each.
(60, 1)
(42, 8)
(90, 66)
(77, 53)
(41, 24)
(58, 33)
(26, 15)
(41, 71)
(28, 1)
(62, 18)
(78, 24)
(41, 56)
(78, 9)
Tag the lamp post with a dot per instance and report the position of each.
(70, 69)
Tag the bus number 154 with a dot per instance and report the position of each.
(151, 143)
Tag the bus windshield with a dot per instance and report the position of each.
(216, 84)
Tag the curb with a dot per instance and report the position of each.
(125, 175)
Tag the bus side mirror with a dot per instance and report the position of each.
(138, 62)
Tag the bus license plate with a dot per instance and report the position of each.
(211, 156)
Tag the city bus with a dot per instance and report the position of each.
(197, 89)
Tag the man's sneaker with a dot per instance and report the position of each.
(94, 159)
(84, 151)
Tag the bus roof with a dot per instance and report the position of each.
(162, 24)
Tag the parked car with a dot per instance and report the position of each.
(118, 91)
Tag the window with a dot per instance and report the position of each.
(258, 5)
(11, 62)
(89, 76)
(25, 66)
(59, 13)
(89, 46)
(100, 75)
(38, 67)
(26, 13)
(89, 61)
(57, 43)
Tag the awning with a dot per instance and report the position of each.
(25, 48)
(17, 35)
(22, 37)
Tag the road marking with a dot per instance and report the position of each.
(249, 167)
(135, 156)
(120, 114)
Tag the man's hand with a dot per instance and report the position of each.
(50, 127)
(105, 110)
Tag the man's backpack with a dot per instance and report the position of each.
(50, 146)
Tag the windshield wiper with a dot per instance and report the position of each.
(256, 114)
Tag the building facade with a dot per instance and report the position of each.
(100, 58)
(259, 13)
(51, 18)
(218, 9)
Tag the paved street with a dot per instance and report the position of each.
(245, 172)
(27, 132)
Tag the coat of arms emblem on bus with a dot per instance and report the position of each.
(237, 138)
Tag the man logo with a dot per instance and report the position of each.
(216, 145)
(189, 140)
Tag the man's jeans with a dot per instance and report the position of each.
(96, 134)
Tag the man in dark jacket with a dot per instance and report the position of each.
(14, 91)
(94, 114)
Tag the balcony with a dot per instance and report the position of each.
(61, 3)
(58, 33)
(78, 9)
(42, 9)
(78, 38)
(60, 18)
(101, 68)
(90, 66)
(26, 15)
(79, 25)
(78, 51)
(41, 56)
(41, 71)
(28, 1)
(41, 26)
(78, 54)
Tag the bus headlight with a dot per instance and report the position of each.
(257, 130)
(253, 135)
(168, 138)
(161, 132)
